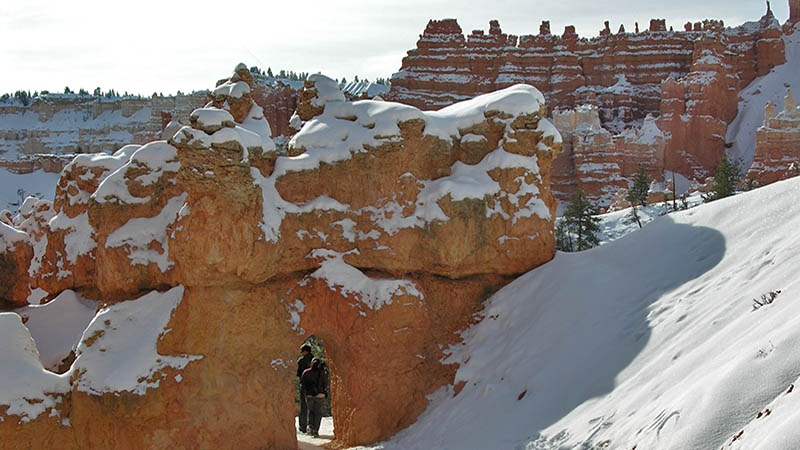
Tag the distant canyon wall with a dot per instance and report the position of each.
(66, 124)
(687, 80)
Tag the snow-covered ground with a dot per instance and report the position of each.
(647, 342)
(306, 442)
(15, 187)
(617, 224)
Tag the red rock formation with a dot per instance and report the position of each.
(690, 79)
(383, 236)
(599, 163)
(279, 102)
(777, 155)
(15, 258)
(794, 11)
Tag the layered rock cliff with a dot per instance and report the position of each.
(69, 123)
(687, 80)
(214, 257)
(777, 154)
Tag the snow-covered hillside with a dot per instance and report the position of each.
(648, 342)
(15, 187)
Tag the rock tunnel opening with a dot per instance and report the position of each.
(309, 434)
(317, 346)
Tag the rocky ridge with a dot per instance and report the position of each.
(382, 236)
(687, 80)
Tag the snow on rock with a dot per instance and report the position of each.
(211, 119)
(139, 234)
(57, 326)
(27, 389)
(146, 165)
(9, 236)
(327, 90)
(651, 341)
(118, 350)
(232, 89)
(372, 292)
(416, 190)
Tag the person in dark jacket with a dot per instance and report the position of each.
(315, 383)
(303, 363)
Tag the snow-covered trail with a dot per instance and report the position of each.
(306, 442)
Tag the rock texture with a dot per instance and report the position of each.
(688, 79)
(382, 236)
(777, 154)
(602, 164)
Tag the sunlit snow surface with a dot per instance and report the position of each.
(648, 341)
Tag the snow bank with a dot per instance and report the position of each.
(650, 341)
(57, 326)
(14, 187)
(118, 351)
(25, 386)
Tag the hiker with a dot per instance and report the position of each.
(315, 384)
(303, 363)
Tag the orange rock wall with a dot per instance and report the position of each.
(253, 293)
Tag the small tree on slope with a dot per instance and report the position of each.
(638, 193)
(581, 223)
(726, 178)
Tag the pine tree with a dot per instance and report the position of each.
(641, 187)
(564, 240)
(638, 194)
(726, 178)
(581, 223)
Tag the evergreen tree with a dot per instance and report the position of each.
(638, 194)
(641, 187)
(564, 240)
(581, 223)
(269, 72)
(726, 178)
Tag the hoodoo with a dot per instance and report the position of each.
(687, 80)
(213, 256)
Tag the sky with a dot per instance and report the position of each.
(163, 46)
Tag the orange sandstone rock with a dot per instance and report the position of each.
(777, 155)
(383, 236)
